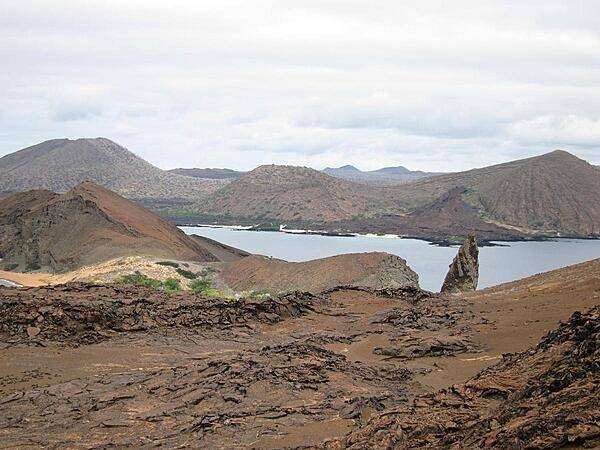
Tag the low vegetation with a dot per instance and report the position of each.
(10, 267)
(168, 264)
(170, 285)
(32, 266)
(187, 274)
(203, 286)
(207, 271)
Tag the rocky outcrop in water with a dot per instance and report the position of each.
(464, 270)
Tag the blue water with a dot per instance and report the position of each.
(497, 264)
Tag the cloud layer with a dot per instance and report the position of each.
(432, 85)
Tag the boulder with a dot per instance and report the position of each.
(463, 273)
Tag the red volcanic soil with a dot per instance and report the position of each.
(86, 225)
(98, 366)
(376, 270)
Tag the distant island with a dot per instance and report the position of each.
(551, 195)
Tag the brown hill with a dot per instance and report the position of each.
(86, 225)
(375, 270)
(60, 164)
(552, 193)
(447, 218)
(289, 193)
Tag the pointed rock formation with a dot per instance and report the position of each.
(464, 270)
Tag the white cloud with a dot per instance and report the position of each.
(565, 130)
(434, 85)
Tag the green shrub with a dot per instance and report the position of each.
(206, 271)
(172, 285)
(259, 294)
(212, 292)
(168, 263)
(32, 266)
(140, 279)
(187, 274)
(10, 267)
(200, 285)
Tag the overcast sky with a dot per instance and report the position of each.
(432, 85)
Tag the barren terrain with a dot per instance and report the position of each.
(97, 366)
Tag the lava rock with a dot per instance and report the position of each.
(463, 273)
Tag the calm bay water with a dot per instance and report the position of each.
(497, 264)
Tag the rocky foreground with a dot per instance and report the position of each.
(545, 397)
(89, 366)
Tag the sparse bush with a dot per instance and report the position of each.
(204, 287)
(172, 285)
(168, 263)
(32, 266)
(187, 274)
(206, 271)
(200, 285)
(259, 294)
(10, 267)
(212, 292)
(139, 279)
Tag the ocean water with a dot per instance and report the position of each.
(501, 264)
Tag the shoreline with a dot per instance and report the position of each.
(440, 242)
(7, 283)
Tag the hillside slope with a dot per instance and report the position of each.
(289, 193)
(555, 192)
(60, 164)
(86, 225)
(552, 194)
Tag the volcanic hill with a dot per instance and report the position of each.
(289, 193)
(86, 225)
(60, 164)
(549, 195)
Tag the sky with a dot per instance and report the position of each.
(431, 85)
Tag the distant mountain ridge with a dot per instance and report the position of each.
(383, 176)
(208, 173)
(60, 164)
(291, 193)
(548, 195)
(555, 194)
